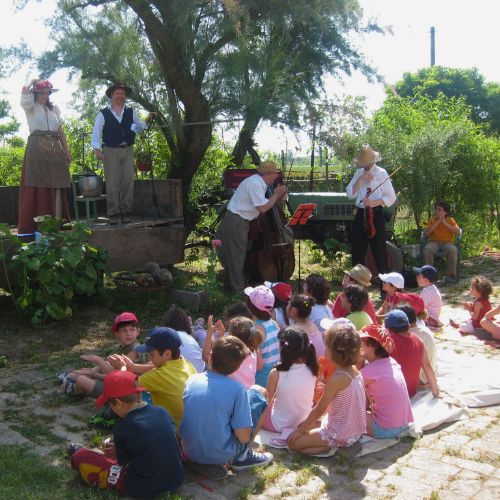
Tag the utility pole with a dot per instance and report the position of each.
(433, 46)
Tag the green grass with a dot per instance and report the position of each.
(453, 451)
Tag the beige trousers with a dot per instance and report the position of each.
(119, 174)
(450, 252)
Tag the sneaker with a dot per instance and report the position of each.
(213, 472)
(104, 419)
(61, 376)
(73, 447)
(68, 386)
(253, 459)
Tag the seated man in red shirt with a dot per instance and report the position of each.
(440, 232)
(409, 351)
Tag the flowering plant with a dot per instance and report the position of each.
(212, 283)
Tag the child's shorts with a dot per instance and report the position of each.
(258, 405)
(99, 471)
(381, 433)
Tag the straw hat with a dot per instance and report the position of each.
(361, 274)
(115, 86)
(267, 167)
(367, 156)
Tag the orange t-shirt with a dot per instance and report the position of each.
(442, 234)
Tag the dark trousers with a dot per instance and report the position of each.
(359, 240)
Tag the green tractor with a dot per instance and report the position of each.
(332, 220)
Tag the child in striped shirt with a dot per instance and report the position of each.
(426, 277)
(260, 301)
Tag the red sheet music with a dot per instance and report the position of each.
(302, 214)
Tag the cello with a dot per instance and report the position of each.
(271, 256)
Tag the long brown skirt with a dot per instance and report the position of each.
(35, 200)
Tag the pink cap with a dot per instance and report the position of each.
(122, 318)
(261, 297)
(413, 299)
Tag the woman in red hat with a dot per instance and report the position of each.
(45, 173)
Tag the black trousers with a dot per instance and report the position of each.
(360, 241)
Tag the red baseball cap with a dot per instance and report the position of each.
(122, 318)
(118, 384)
(413, 299)
(282, 291)
(378, 333)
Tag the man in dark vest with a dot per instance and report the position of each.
(113, 137)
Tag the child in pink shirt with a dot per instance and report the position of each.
(387, 396)
(251, 335)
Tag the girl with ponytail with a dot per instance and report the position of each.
(290, 386)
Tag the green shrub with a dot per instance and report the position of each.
(53, 272)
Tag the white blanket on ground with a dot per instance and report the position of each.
(463, 380)
(473, 380)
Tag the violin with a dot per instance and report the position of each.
(369, 222)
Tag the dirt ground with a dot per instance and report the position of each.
(455, 461)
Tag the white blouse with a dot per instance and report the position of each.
(39, 117)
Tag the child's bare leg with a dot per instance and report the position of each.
(83, 384)
(492, 327)
(310, 443)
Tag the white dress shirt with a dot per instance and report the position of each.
(137, 125)
(384, 192)
(249, 195)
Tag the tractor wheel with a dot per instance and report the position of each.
(394, 259)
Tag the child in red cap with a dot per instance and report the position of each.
(89, 380)
(144, 460)
(386, 394)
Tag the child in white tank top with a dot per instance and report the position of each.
(291, 383)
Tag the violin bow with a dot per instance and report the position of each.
(383, 182)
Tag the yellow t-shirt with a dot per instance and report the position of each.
(442, 234)
(166, 385)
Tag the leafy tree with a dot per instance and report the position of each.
(11, 125)
(444, 154)
(483, 97)
(196, 61)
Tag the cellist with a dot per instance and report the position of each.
(246, 204)
(372, 190)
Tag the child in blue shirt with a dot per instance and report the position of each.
(221, 418)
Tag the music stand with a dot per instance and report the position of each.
(300, 217)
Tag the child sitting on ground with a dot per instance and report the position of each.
(260, 301)
(89, 380)
(480, 291)
(166, 381)
(344, 400)
(221, 418)
(290, 387)
(144, 460)
(358, 275)
(386, 393)
(354, 300)
(282, 293)
(319, 289)
(426, 277)
(425, 335)
(391, 284)
(491, 325)
(299, 311)
(252, 336)
(409, 351)
(177, 319)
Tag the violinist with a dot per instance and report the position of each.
(372, 190)
(246, 204)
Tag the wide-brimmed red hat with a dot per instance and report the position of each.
(115, 86)
(378, 333)
(43, 86)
